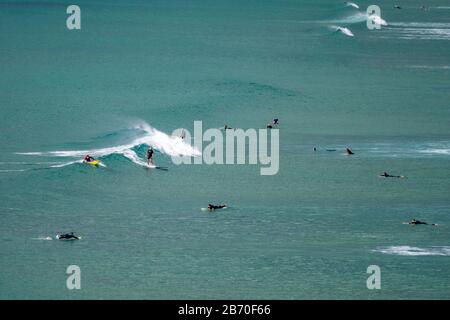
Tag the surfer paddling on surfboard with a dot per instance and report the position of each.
(387, 175)
(67, 236)
(88, 158)
(214, 207)
(414, 221)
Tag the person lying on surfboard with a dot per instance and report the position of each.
(88, 158)
(213, 207)
(67, 236)
(150, 156)
(414, 221)
(387, 175)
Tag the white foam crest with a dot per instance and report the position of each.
(377, 20)
(343, 30)
(170, 145)
(351, 4)
(415, 251)
(130, 154)
(436, 151)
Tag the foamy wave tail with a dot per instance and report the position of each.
(352, 4)
(343, 30)
(415, 251)
(361, 17)
(377, 20)
(65, 164)
(130, 154)
(354, 18)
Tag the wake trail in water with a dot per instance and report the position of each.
(360, 17)
(341, 24)
(48, 238)
(130, 154)
(415, 251)
(147, 135)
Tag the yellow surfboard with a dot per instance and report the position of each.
(94, 163)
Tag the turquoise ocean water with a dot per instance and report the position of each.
(309, 232)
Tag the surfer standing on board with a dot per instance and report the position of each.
(150, 156)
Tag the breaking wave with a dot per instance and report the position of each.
(144, 135)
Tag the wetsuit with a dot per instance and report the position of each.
(417, 222)
(150, 154)
(387, 175)
(67, 236)
(216, 207)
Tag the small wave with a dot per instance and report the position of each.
(415, 251)
(13, 170)
(436, 151)
(413, 150)
(351, 4)
(430, 67)
(420, 30)
(424, 25)
(343, 30)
